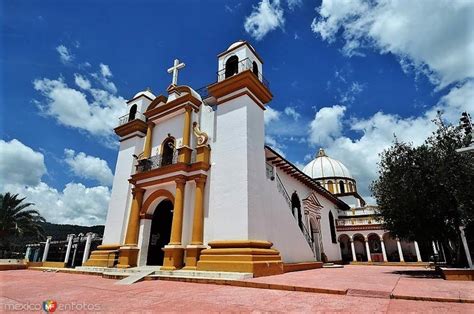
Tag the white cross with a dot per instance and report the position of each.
(174, 69)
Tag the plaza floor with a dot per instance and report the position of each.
(367, 289)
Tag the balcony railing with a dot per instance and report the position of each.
(243, 65)
(159, 161)
(357, 222)
(130, 117)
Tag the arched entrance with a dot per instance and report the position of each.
(391, 248)
(160, 232)
(359, 245)
(345, 246)
(375, 247)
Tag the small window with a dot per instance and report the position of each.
(333, 229)
(132, 113)
(231, 66)
(330, 187)
(342, 187)
(255, 68)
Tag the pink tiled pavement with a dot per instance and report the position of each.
(22, 286)
(383, 279)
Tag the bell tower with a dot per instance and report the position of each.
(238, 157)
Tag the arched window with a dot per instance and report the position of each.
(132, 113)
(332, 227)
(167, 151)
(255, 68)
(341, 186)
(231, 66)
(351, 187)
(330, 187)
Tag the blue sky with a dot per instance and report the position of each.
(345, 75)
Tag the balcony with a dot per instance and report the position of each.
(160, 161)
(241, 66)
(130, 117)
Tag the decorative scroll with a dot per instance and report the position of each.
(202, 137)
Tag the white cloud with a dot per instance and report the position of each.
(71, 107)
(270, 115)
(430, 37)
(81, 81)
(64, 55)
(265, 17)
(291, 111)
(23, 168)
(293, 4)
(326, 125)
(89, 167)
(105, 70)
(19, 164)
(272, 142)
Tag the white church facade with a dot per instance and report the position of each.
(195, 187)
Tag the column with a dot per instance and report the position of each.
(354, 258)
(128, 254)
(148, 140)
(87, 248)
(174, 251)
(384, 252)
(193, 251)
(27, 253)
(177, 225)
(131, 238)
(466, 247)
(198, 221)
(46, 249)
(400, 252)
(69, 246)
(367, 248)
(417, 250)
(35, 256)
(185, 150)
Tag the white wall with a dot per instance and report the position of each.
(173, 125)
(117, 215)
(227, 215)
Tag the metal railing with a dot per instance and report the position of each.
(281, 188)
(130, 117)
(243, 65)
(157, 161)
(357, 221)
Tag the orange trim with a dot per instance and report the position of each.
(153, 196)
(181, 100)
(245, 79)
(130, 127)
(129, 137)
(180, 166)
(241, 94)
(158, 100)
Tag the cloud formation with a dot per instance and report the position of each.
(64, 54)
(22, 169)
(265, 17)
(89, 167)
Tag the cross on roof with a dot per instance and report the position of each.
(174, 69)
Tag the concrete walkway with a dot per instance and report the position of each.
(73, 292)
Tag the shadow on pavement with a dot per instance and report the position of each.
(418, 273)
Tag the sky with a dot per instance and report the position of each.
(346, 75)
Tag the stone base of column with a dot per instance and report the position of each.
(104, 256)
(128, 256)
(193, 252)
(173, 257)
(184, 154)
(248, 256)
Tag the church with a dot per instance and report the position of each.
(196, 188)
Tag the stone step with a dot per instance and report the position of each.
(135, 277)
(332, 265)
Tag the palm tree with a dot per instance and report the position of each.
(17, 221)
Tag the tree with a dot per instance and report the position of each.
(17, 221)
(425, 193)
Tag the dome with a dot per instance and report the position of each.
(325, 167)
(238, 43)
(147, 92)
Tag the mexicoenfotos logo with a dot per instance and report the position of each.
(49, 306)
